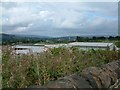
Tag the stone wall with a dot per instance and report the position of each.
(107, 76)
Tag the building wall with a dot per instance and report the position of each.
(110, 47)
(88, 48)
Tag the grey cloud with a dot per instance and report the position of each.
(63, 19)
(8, 5)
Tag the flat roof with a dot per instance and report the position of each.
(93, 44)
(55, 45)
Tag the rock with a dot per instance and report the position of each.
(35, 87)
(73, 81)
(102, 77)
(113, 67)
(107, 76)
(91, 75)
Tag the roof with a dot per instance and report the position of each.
(55, 45)
(23, 46)
(37, 44)
(92, 44)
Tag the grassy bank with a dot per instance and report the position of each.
(20, 71)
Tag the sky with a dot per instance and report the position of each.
(59, 18)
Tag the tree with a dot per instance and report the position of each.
(110, 37)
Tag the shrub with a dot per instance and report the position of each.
(20, 71)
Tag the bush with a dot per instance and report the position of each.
(21, 71)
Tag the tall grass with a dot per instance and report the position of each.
(21, 71)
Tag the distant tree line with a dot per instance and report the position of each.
(94, 38)
(58, 40)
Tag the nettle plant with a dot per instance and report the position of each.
(20, 71)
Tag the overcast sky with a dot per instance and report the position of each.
(60, 18)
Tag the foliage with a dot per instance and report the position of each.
(7, 39)
(117, 43)
(21, 71)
